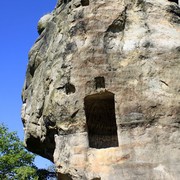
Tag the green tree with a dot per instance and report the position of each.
(16, 162)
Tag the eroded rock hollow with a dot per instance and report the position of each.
(102, 92)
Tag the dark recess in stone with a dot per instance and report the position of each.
(115, 28)
(66, 1)
(64, 176)
(118, 24)
(176, 1)
(85, 2)
(69, 88)
(48, 123)
(101, 121)
(100, 82)
(36, 146)
(32, 70)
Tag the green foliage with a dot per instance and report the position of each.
(15, 161)
(26, 172)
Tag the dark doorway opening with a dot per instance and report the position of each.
(101, 120)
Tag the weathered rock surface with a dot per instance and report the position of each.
(102, 92)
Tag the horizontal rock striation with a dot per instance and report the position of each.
(102, 92)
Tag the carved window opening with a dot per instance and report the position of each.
(101, 120)
(100, 82)
(85, 2)
(176, 1)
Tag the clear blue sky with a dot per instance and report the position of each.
(18, 32)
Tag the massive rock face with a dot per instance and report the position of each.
(102, 92)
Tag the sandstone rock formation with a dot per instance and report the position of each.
(102, 92)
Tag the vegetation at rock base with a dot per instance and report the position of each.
(16, 162)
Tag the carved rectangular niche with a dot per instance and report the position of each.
(100, 82)
(85, 2)
(101, 121)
